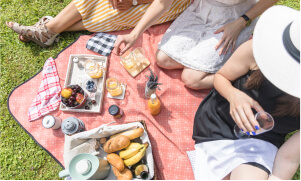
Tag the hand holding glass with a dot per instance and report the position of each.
(266, 123)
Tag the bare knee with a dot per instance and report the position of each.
(197, 80)
(190, 81)
(162, 59)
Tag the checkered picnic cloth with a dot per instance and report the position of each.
(101, 43)
(48, 98)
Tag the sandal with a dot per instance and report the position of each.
(39, 34)
(43, 20)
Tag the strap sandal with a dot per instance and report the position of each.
(39, 34)
(43, 20)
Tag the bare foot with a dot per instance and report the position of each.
(23, 38)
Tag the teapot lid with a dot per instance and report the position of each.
(88, 170)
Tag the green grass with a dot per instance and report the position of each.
(20, 156)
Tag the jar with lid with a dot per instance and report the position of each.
(115, 111)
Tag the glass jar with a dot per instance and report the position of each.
(115, 111)
(93, 69)
(113, 86)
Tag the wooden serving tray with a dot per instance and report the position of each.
(139, 67)
(76, 75)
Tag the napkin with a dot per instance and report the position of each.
(48, 98)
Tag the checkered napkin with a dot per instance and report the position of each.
(48, 98)
(101, 43)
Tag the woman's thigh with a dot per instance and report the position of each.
(166, 62)
(248, 172)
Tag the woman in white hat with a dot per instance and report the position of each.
(262, 75)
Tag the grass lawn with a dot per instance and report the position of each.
(20, 156)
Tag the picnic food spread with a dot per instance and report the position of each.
(125, 150)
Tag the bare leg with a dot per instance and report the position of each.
(164, 61)
(78, 26)
(66, 18)
(248, 172)
(196, 79)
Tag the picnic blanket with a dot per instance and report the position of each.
(170, 132)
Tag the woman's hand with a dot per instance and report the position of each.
(121, 5)
(241, 111)
(128, 40)
(231, 33)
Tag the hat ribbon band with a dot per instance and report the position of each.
(288, 44)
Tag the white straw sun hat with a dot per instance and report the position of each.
(276, 48)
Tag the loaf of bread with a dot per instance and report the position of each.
(115, 161)
(116, 144)
(132, 134)
(126, 174)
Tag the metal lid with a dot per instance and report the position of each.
(114, 110)
(48, 121)
(75, 60)
(70, 125)
(144, 175)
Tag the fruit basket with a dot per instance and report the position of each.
(76, 75)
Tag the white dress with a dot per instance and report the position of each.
(190, 40)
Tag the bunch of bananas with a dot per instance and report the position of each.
(133, 153)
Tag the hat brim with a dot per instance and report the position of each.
(273, 60)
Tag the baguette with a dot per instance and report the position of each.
(126, 174)
(116, 161)
(116, 144)
(132, 134)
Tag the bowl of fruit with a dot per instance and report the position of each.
(73, 96)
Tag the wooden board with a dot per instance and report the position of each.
(139, 67)
(76, 75)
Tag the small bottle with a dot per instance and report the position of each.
(140, 170)
(154, 105)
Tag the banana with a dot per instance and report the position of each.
(133, 145)
(137, 157)
(129, 152)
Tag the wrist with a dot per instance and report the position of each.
(242, 22)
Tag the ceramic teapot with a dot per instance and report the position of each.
(85, 166)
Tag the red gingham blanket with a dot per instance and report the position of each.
(170, 132)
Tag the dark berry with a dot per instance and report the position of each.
(93, 102)
(82, 92)
(87, 107)
(72, 98)
(76, 87)
(73, 93)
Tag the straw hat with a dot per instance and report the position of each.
(276, 48)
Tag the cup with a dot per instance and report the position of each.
(93, 69)
(266, 123)
(113, 86)
(128, 59)
(139, 54)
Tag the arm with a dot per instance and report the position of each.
(287, 159)
(232, 30)
(238, 65)
(154, 12)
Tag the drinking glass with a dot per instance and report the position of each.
(93, 69)
(139, 54)
(128, 59)
(113, 86)
(266, 123)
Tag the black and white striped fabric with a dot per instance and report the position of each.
(102, 43)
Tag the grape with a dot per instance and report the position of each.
(72, 98)
(73, 93)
